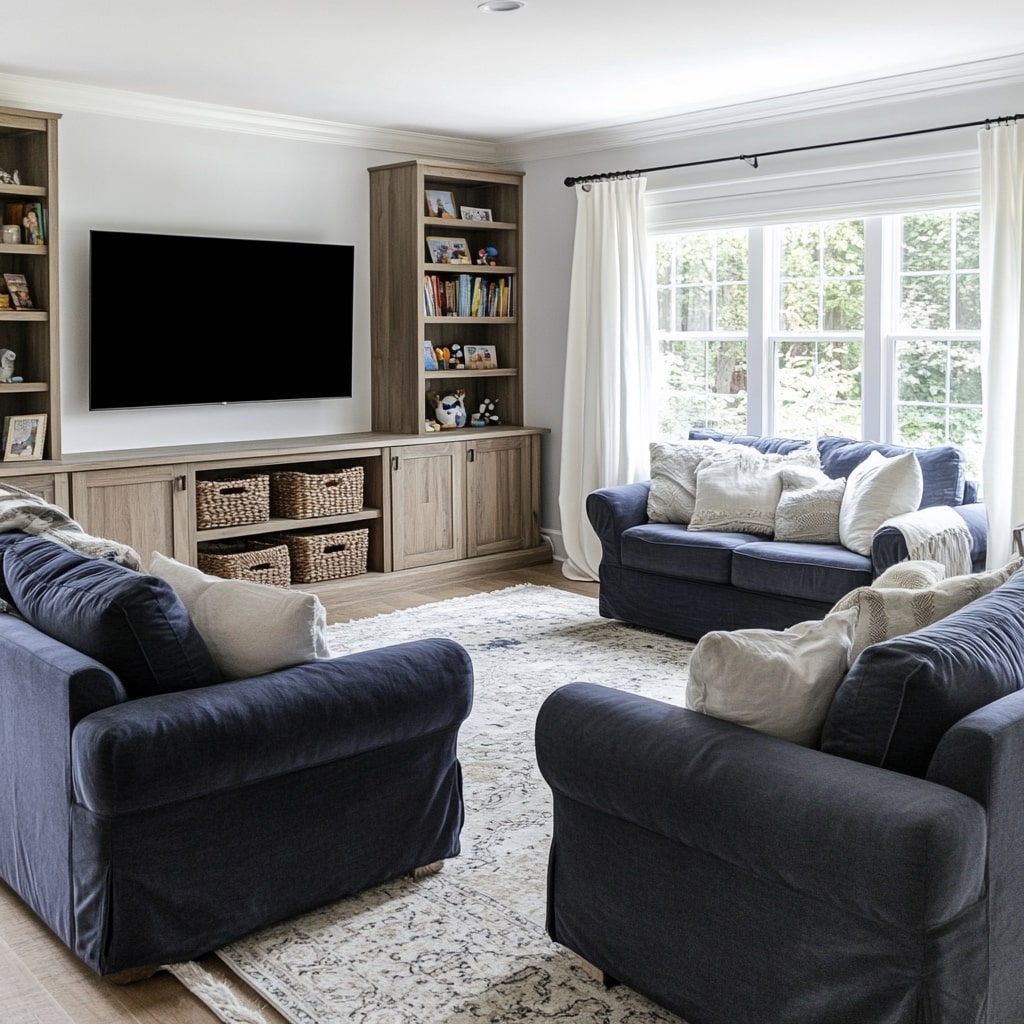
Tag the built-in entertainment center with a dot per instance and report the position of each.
(466, 500)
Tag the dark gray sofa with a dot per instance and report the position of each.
(666, 577)
(150, 813)
(736, 878)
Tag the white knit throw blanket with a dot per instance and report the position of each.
(21, 510)
(937, 534)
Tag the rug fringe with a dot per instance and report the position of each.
(214, 993)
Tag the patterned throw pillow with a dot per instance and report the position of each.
(739, 490)
(808, 509)
(674, 479)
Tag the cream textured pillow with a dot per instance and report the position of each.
(739, 490)
(883, 613)
(808, 509)
(249, 628)
(910, 575)
(779, 682)
(674, 479)
(876, 490)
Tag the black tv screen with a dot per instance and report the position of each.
(187, 320)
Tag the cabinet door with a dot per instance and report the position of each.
(428, 504)
(500, 490)
(51, 487)
(146, 507)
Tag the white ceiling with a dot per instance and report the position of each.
(441, 67)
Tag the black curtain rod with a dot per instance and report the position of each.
(754, 158)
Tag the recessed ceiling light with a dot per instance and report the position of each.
(499, 6)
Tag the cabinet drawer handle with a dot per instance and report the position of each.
(394, 462)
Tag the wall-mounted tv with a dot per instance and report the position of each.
(188, 320)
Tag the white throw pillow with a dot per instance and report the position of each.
(674, 479)
(777, 681)
(250, 628)
(876, 490)
(910, 575)
(809, 505)
(738, 490)
(883, 613)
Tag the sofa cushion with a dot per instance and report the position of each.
(8, 538)
(249, 628)
(808, 572)
(777, 681)
(901, 695)
(943, 468)
(809, 504)
(886, 611)
(669, 549)
(133, 623)
(878, 489)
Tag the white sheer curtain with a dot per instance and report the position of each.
(1002, 243)
(606, 410)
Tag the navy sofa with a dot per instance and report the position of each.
(150, 813)
(666, 577)
(736, 878)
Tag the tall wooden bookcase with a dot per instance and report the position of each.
(28, 145)
(401, 267)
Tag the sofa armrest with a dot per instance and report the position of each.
(836, 830)
(176, 746)
(888, 545)
(612, 511)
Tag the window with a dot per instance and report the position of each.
(865, 327)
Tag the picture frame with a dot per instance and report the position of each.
(429, 359)
(24, 437)
(481, 357)
(448, 250)
(476, 213)
(441, 204)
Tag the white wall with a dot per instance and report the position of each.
(128, 174)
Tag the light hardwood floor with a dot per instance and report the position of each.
(41, 982)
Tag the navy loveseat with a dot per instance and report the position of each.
(736, 878)
(667, 577)
(150, 812)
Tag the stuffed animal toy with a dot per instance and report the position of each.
(455, 361)
(7, 358)
(449, 409)
(487, 256)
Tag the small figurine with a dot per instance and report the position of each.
(449, 409)
(7, 357)
(487, 414)
(488, 256)
(455, 357)
(9, 179)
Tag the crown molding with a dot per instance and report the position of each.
(938, 82)
(48, 94)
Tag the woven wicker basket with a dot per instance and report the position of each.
(324, 555)
(252, 560)
(232, 500)
(299, 495)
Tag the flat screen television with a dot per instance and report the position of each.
(188, 320)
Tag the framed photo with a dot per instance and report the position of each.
(481, 357)
(476, 213)
(429, 359)
(441, 204)
(24, 437)
(448, 250)
(17, 288)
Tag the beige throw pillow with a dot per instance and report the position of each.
(738, 490)
(777, 681)
(910, 575)
(249, 628)
(808, 509)
(876, 490)
(883, 613)
(674, 479)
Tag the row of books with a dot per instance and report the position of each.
(468, 295)
(30, 219)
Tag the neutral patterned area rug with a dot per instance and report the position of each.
(468, 944)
